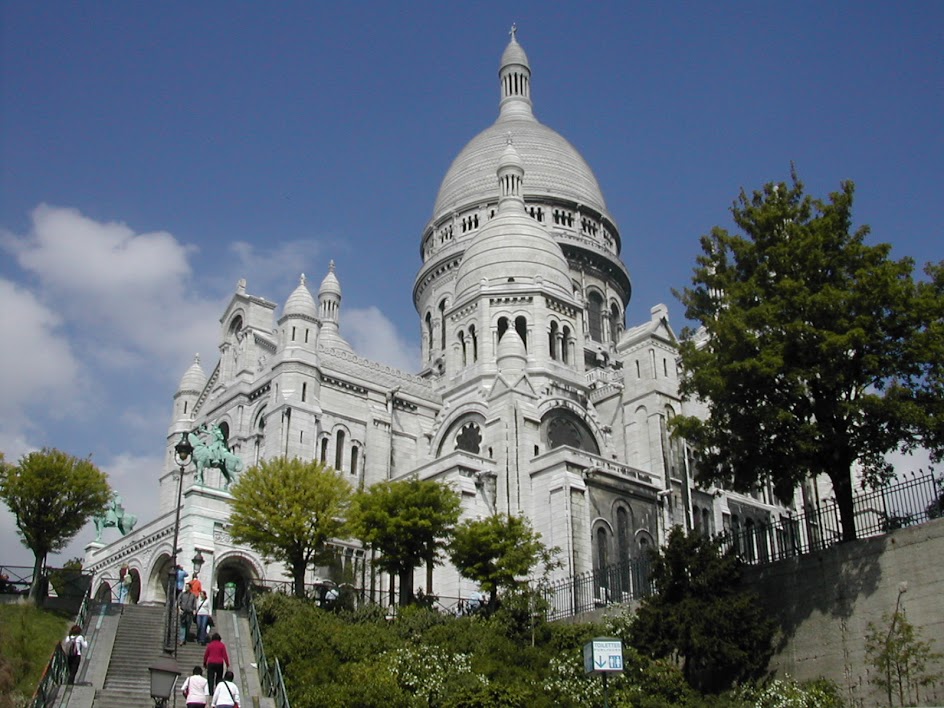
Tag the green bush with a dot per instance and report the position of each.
(424, 659)
(28, 636)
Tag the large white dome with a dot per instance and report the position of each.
(555, 169)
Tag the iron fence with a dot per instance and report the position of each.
(271, 677)
(57, 668)
(617, 583)
(905, 503)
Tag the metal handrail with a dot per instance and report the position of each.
(57, 668)
(907, 502)
(272, 681)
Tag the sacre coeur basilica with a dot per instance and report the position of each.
(532, 396)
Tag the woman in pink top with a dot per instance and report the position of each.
(216, 660)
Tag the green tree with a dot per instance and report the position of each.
(52, 495)
(806, 329)
(927, 347)
(407, 522)
(900, 657)
(289, 510)
(495, 551)
(701, 616)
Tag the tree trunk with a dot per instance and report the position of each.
(406, 587)
(36, 594)
(842, 488)
(298, 578)
(429, 575)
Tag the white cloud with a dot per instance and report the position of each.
(129, 295)
(274, 272)
(38, 367)
(374, 337)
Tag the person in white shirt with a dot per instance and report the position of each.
(203, 618)
(74, 645)
(195, 689)
(226, 694)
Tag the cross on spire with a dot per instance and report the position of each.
(513, 32)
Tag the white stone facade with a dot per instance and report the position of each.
(531, 397)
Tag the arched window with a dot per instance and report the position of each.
(595, 316)
(616, 323)
(622, 533)
(562, 427)
(749, 540)
(602, 556)
(566, 342)
(623, 536)
(475, 344)
(442, 324)
(324, 449)
(429, 334)
(464, 434)
(502, 327)
(552, 340)
(339, 450)
(521, 327)
(469, 438)
(354, 454)
(463, 346)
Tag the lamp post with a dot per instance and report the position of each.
(164, 674)
(197, 562)
(182, 453)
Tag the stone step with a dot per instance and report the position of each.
(138, 643)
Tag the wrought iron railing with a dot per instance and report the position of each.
(57, 668)
(905, 503)
(894, 506)
(616, 583)
(270, 676)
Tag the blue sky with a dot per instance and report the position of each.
(151, 154)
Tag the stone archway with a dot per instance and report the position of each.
(232, 577)
(156, 588)
(134, 592)
(103, 594)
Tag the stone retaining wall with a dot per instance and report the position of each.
(824, 601)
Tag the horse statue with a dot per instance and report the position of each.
(114, 517)
(214, 454)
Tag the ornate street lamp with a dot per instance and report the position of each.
(197, 562)
(164, 674)
(183, 452)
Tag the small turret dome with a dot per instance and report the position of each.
(329, 311)
(512, 248)
(194, 379)
(330, 285)
(300, 302)
(512, 354)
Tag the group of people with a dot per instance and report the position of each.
(193, 603)
(217, 689)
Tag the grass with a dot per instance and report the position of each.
(27, 638)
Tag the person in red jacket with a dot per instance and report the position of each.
(216, 660)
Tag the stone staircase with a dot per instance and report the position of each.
(138, 643)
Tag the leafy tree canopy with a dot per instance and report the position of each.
(407, 522)
(814, 350)
(289, 510)
(52, 495)
(497, 550)
(701, 615)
